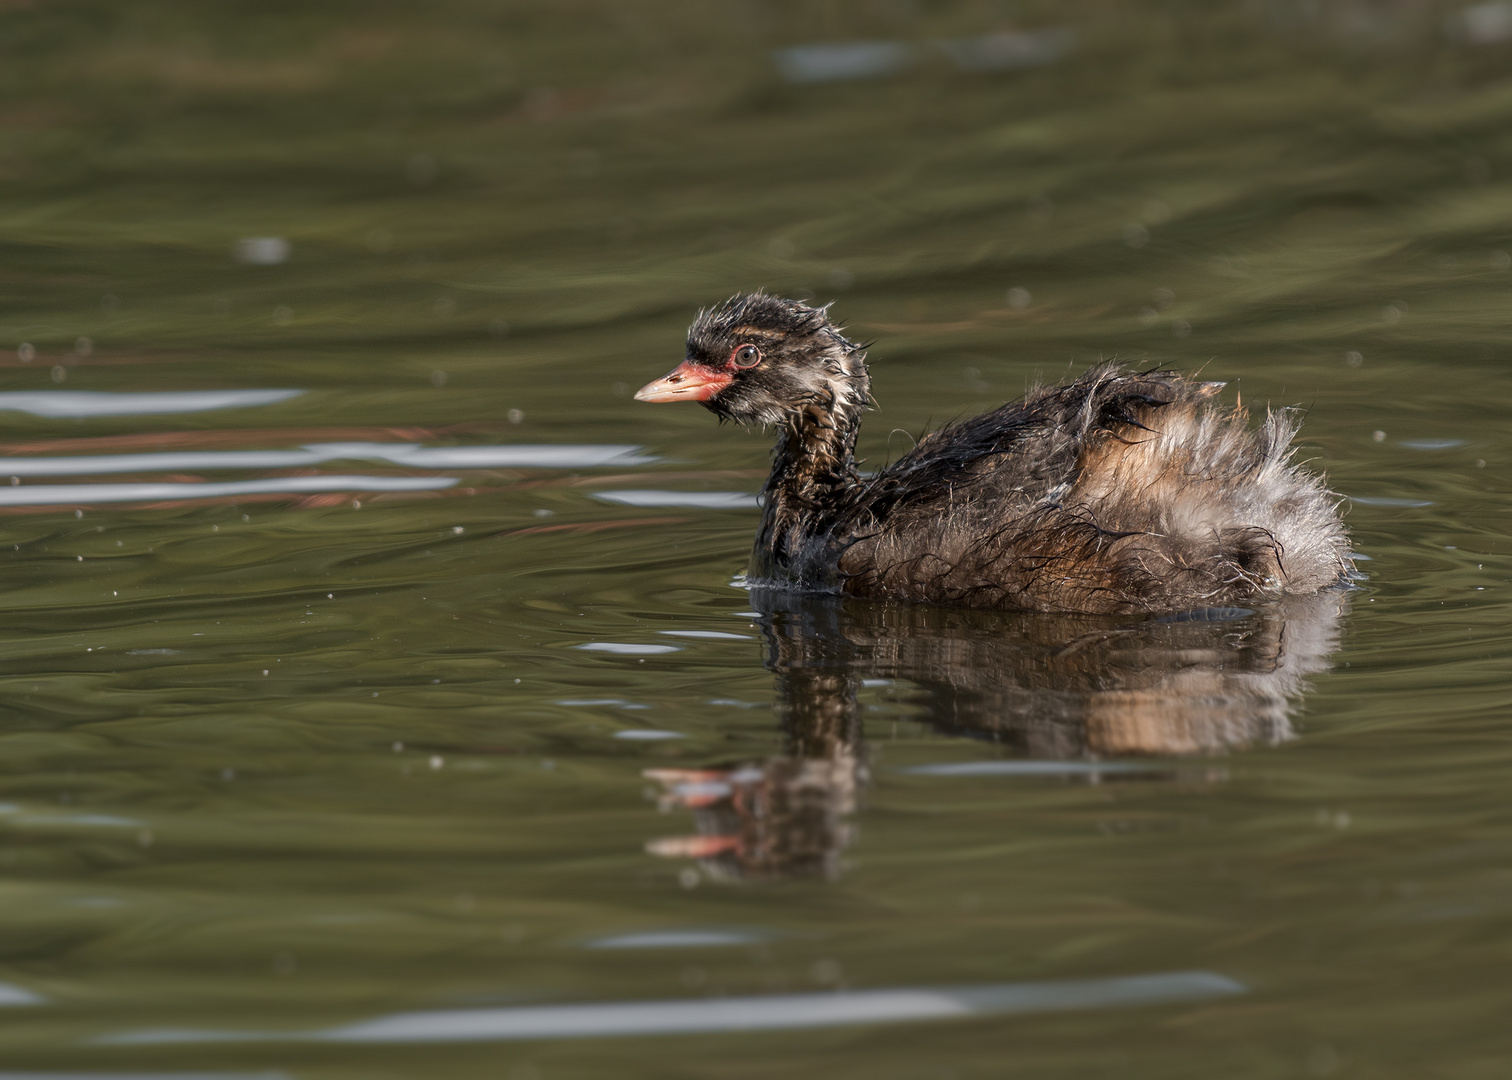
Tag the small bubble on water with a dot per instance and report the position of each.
(688, 878)
(78, 513)
(1019, 298)
(1181, 328)
(436, 762)
(59, 373)
(840, 278)
(1353, 359)
(228, 774)
(261, 250)
(458, 530)
(542, 512)
(1378, 436)
(265, 671)
(438, 379)
(516, 416)
(83, 346)
(1136, 235)
(26, 352)
(398, 747)
(356, 504)
(1500, 260)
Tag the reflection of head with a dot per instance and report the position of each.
(781, 818)
(1044, 686)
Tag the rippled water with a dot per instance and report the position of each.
(380, 692)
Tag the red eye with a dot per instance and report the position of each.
(746, 356)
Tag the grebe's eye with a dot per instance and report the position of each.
(747, 356)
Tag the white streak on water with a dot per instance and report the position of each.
(647, 735)
(406, 454)
(678, 939)
(72, 494)
(842, 61)
(624, 648)
(707, 635)
(706, 500)
(87, 403)
(1413, 504)
(1025, 768)
(13, 813)
(705, 1016)
(144, 1076)
(1433, 444)
(10, 994)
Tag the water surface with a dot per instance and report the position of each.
(379, 692)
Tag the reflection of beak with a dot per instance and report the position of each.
(692, 847)
(687, 382)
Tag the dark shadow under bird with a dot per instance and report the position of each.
(1118, 493)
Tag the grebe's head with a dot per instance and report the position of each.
(759, 359)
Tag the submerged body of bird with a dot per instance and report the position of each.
(1119, 492)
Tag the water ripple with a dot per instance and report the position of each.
(775, 1012)
(79, 494)
(82, 404)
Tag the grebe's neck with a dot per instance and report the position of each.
(813, 466)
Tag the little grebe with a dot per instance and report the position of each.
(1121, 492)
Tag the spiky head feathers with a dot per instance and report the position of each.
(782, 356)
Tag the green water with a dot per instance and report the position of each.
(290, 781)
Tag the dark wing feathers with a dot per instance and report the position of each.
(1117, 492)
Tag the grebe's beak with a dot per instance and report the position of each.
(687, 382)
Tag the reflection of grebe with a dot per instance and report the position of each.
(1043, 687)
(1121, 492)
